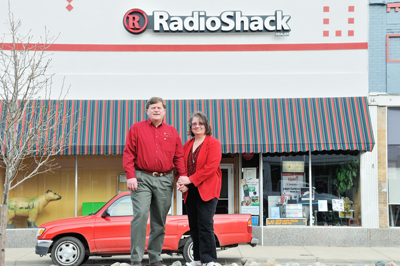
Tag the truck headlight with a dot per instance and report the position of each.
(40, 231)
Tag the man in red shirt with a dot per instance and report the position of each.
(152, 150)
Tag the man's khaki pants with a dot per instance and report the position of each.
(154, 194)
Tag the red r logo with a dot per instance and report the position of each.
(135, 21)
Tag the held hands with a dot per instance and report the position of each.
(182, 182)
(181, 188)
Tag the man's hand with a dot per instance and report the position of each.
(132, 184)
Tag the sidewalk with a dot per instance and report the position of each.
(304, 255)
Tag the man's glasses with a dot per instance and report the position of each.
(199, 124)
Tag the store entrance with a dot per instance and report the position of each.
(226, 200)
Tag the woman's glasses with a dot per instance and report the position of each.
(197, 124)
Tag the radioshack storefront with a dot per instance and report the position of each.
(272, 150)
(285, 88)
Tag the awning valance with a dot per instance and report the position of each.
(242, 125)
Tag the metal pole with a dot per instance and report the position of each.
(76, 185)
(238, 183)
(261, 197)
(310, 186)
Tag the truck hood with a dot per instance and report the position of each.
(69, 221)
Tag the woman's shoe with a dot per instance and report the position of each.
(194, 263)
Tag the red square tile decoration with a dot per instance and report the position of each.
(338, 33)
(326, 8)
(69, 1)
(351, 8)
(326, 33)
(351, 20)
(69, 7)
(351, 33)
(326, 20)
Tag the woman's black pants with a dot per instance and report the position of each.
(201, 225)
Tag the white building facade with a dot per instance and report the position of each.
(285, 86)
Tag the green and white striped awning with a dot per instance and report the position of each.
(242, 125)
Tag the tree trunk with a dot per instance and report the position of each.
(3, 231)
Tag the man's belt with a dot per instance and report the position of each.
(156, 173)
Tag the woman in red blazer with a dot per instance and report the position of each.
(201, 188)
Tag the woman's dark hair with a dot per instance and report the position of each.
(203, 118)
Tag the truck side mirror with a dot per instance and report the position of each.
(105, 214)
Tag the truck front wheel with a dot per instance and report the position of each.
(68, 251)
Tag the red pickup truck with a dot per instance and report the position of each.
(107, 232)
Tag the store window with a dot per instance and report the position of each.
(336, 181)
(54, 191)
(285, 189)
(393, 139)
(98, 181)
(335, 194)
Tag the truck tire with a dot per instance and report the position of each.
(85, 259)
(68, 251)
(188, 250)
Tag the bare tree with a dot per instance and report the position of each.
(31, 125)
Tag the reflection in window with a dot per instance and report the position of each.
(121, 207)
(335, 194)
(284, 178)
(393, 166)
(336, 179)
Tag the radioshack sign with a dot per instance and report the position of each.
(137, 21)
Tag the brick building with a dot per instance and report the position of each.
(384, 66)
